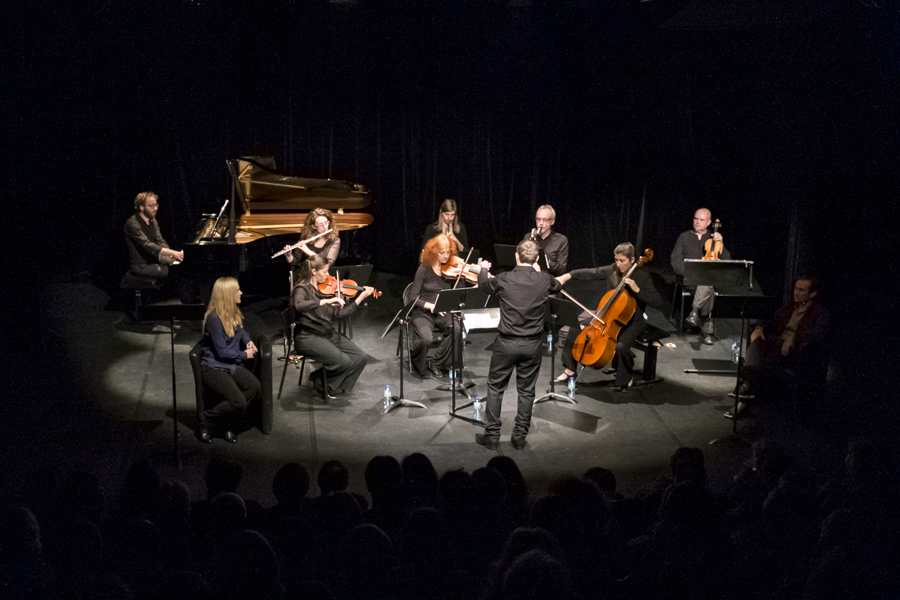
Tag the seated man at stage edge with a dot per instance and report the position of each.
(790, 345)
(523, 296)
(690, 244)
(148, 252)
(554, 244)
(449, 225)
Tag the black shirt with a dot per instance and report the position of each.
(427, 285)
(431, 232)
(144, 241)
(523, 298)
(648, 294)
(316, 319)
(556, 249)
(689, 246)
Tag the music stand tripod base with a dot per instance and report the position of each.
(397, 402)
(561, 313)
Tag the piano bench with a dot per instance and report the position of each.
(649, 343)
(139, 285)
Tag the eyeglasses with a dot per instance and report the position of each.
(540, 220)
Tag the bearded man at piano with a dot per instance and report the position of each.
(148, 252)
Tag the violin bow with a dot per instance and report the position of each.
(462, 268)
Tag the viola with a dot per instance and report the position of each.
(595, 346)
(713, 248)
(348, 288)
(456, 268)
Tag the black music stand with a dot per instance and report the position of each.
(172, 312)
(560, 312)
(401, 319)
(454, 302)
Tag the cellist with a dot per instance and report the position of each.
(640, 287)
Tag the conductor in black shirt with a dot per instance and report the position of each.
(523, 296)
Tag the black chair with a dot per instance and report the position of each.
(679, 291)
(261, 367)
(405, 333)
(293, 357)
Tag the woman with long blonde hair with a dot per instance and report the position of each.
(227, 348)
(448, 224)
(314, 334)
(319, 220)
(427, 284)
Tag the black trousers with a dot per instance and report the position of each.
(234, 392)
(624, 359)
(423, 325)
(523, 355)
(342, 359)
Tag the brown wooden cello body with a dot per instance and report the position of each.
(595, 346)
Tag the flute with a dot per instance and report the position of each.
(297, 245)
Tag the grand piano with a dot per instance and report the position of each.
(266, 211)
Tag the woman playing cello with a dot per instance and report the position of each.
(428, 283)
(314, 335)
(318, 221)
(640, 287)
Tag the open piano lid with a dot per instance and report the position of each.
(275, 204)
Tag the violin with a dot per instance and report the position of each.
(595, 346)
(713, 248)
(456, 268)
(348, 288)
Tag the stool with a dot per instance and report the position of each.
(140, 285)
(649, 343)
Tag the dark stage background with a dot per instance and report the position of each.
(626, 116)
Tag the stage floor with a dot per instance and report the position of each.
(113, 405)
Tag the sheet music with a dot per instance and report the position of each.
(482, 318)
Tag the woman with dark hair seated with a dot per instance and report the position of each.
(227, 349)
(315, 336)
(640, 287)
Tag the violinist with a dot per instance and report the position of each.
(691, 244)
(315, 336)
(428, 283)
(318, 221)
(449, 225)
(554, 244)
(640, 287)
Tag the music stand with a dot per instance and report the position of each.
(559, 312)
(401, 319)
(171, 312)
(454, 302)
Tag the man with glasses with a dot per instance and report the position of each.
(554, 244)
(149, 253)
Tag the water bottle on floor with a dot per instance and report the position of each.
(477, 407)
(735, 352)
(387, 397)
(571, 387)
(549, 340)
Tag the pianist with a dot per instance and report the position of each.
(148, 252)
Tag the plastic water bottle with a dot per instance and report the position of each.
(387, 397)
(477, 407)
(549, 340)
(571, 387)
(464, 334)
(735, 352)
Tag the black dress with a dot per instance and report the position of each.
(427, 285)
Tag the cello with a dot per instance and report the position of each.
(595, 346)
